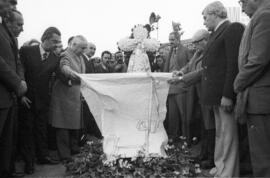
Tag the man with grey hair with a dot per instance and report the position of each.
(89, 53)
(66, 99)
(253, 81)
(219, 71)
(91, 50)
(11, 84)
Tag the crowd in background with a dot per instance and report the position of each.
(219, 92)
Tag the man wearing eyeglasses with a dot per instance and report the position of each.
(253, 81)
(219, 65)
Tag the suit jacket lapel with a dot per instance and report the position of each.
(216, 34)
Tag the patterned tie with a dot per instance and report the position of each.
(45, 56)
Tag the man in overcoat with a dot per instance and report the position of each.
(65, 108)
(253, 83)
(11, 84)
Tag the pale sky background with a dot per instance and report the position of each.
(104, 22)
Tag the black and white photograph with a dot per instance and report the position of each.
(134, 89)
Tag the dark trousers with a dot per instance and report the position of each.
(6, 138)
(51, 138)
(33, 124)
(259, 142)
(208, 139)
(176, 123)
(191, 100)
(67, 142)
(90, 125)
(244, 151)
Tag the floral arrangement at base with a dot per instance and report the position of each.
(91, 163)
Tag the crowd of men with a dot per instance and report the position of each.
(221, 87)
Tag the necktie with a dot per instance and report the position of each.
(45, 56)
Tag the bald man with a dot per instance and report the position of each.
(91, 50)
(66, 100)
(15, 22)
(89, 53)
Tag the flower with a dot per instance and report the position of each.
(198, 170)
(140, 40)
(140, 33)
(146, 165)
(89, 143)
(127, 44)
(151, 45)
(185, 171)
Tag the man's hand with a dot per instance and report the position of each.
(175, 80)
(22, 88)
(26, 102)
(226, 104)
(177, 73)
(74, 77)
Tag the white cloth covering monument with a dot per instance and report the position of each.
(130, 108)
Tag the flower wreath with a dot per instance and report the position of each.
(140, 35)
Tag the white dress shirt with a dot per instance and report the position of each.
(43, 52)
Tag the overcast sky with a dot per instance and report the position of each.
(104, 22)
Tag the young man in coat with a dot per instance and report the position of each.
(39, 63)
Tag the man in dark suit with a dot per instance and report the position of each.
(179, 56)
(39, 63)
(10, 86)
(89, 53)
(219, 71)
(90, 126)
(15, 23)
(253, 81)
